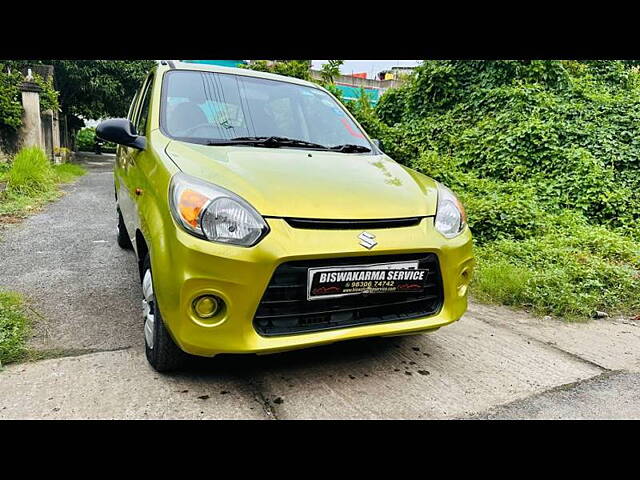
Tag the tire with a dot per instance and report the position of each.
(123, 237)
(161, 351)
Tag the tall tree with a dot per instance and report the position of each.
(95, 89)
(330, 70)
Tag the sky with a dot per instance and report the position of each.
(372, 67)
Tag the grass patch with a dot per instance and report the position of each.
(31, 181)
(68, 172)
(20, 205)
(570, 274)
(501, 282)
(14, 328)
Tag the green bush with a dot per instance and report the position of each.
(30, 173)
(290, 68)
(545, 156)
(85, 141)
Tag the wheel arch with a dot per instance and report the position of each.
(142, 249)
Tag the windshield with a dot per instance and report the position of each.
(205, 107)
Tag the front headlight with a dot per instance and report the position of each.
(214, 213)
(450, 217)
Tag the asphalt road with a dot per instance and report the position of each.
(494, 363)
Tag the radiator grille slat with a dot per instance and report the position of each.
(285, 310)
(325, 224)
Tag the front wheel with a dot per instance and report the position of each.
(161, 351)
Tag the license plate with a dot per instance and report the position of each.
(328, 282)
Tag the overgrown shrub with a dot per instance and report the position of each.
(85, 141)
(30, 173)
(545, 156)
(31, 181)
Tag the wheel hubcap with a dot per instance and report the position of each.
(147, 308)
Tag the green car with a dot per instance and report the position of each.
(265, 219)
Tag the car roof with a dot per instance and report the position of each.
(201, 67)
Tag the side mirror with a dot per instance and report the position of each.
(122, 132)
(376, 142)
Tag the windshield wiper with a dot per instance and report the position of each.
(350, 148)
(272, 141)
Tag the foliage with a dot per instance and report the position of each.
(335, 91)
(290, 68)
(63, 153)
(85, 141)
(10, 100)
(545, 156)
(569, 273)
(93, 89)
(330, 70)
(48, 95)
(67, 172)
(84, 89)
(14, 328)
(31, 181)
(31, 172)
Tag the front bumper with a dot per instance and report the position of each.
(190, 267)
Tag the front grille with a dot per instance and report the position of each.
(285, 310)
(324, 224)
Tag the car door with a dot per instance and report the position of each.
(128, 158)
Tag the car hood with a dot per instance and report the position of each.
(283, 182)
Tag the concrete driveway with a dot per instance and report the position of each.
(494, 363)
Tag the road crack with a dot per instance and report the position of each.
(547, 343)
(494, 410)
(58, 353)
(257, 391)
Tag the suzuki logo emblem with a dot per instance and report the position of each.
(367, 240)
